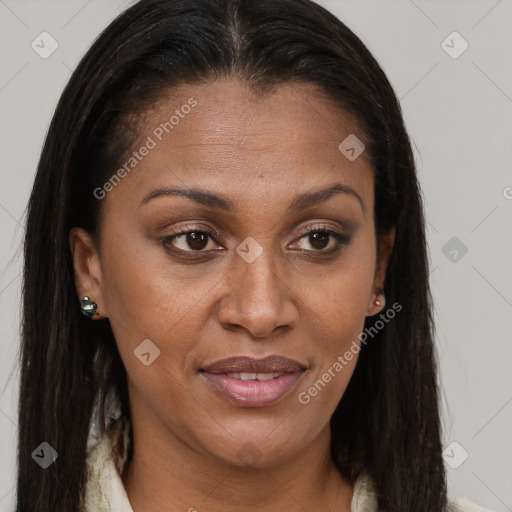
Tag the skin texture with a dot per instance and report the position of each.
(260, 152)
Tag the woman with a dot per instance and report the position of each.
(226, 300)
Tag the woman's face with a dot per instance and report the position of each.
(275, 265)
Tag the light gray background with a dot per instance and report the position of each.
(458, 112)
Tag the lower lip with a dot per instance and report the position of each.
(253, 393)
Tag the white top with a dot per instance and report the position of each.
(105, 491)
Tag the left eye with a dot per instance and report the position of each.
(318, 239)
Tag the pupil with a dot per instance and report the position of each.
(197, 243)
(319, 237)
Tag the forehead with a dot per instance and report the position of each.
(223, 135)
(230, 113)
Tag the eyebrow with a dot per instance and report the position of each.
(220, 201)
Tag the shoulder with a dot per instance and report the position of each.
(365, 499)
(104, 491)
(464, 505)
(99, 473)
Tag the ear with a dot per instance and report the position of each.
(87, 268)
(385, 244)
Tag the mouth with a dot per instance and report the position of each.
(248, 382)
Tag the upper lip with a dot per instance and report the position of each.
(269, 364)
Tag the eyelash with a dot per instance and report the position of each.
(340, 239)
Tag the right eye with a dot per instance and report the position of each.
(194, 238)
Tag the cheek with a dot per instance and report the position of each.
(150, 297)
(337, 305)
(334, 354)
(144, 291)
(338, 296)
(322, 393)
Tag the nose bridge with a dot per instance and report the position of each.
(260, 301)
(256, 271)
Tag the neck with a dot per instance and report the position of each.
(166, 475)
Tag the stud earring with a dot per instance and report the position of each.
(89, 307)
(381, 301)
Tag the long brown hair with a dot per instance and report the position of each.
(388, 420)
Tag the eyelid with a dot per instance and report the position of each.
(209, 230)
(318, 226)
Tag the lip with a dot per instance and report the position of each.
(269, 364)
(253, 393)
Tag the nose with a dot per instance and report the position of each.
(259, 298)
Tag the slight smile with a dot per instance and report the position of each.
(249, 382)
